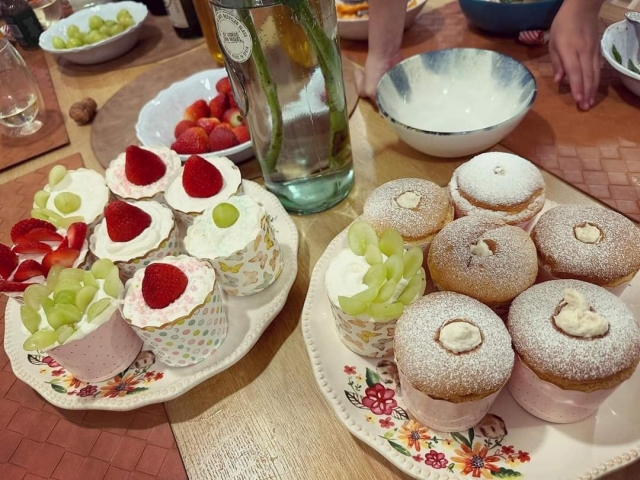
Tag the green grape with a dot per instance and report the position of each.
(75, 42)
(40, 340)
(412, 261)
(64, 332)
(72, 285)
(94, 36)
(75, 274)
(30, 318)
(85, 296)
(84, 36)
(351, 306)
(366, 296)
(124, 13)
(66, 222)
(101, 36)
(95, 22)
(52, 277)
(58, 43)
(89, 280)
(56, 318)
(65, 296)
(112, 284)
(37, 213)
(34, 294)
(71, 313)
(56, 175)
(41, 197)
(391, 243)
(115, 29)
(72, 31)
(97, 308)
(412, 290)
(375, 276)
(127, 22)
(67, 202)
(372, 255)
(47, 305)
(225, 215)
(386, 291)
(384, 312)
(101, 268)
(360, 235)
(104, 29)
(110, 23)
(52, 216)
(394, 267)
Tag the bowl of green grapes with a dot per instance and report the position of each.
(97, 34)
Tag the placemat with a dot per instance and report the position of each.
(40, 441)
(52, 134)
(158, 41)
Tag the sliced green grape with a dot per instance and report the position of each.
(41, 197)
(47, 305)
(40, 340)
(72, 31)
(115, 29)
(384, 312)
(67, 202)
(52, 277)
(65, 296)
(366, 296)
(75, 42)
(38, 213)
(372, 255)
(56, 318)
(375, 276)
(351, 306)
(112, 284)
(386, 291)
(412, 290)
(95, 22)
(85, 296)
(64, 332)
(66, 222)
(89, 280)
(101, 268)
(50, 215)
(71, 313)
(225, 215)
(394, 267)
(34, 294)
(58, 43)
(30, 318)
(70, 284)
(97, 308)
(75, 274)
(391, 243)
(412, 261)
(56, 175)
(360, 235)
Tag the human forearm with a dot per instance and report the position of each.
(591, 6)
(386, 23)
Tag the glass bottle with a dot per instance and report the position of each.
(22, 22)
(183, 18)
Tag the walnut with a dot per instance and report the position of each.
(84, 111)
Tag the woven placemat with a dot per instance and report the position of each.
(53, 134)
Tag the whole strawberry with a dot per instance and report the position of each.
(222, 138)
(193, 141)
(208, 124)
(196, 110)
(183, 126)
(242, 133)
(218, 105)
(200, 178)
(143, 167)
(125, 221)
(162, 285)
(223, 85)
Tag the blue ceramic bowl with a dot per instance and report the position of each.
(510, 18)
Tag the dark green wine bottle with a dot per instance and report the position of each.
(22, 22)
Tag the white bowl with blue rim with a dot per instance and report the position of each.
(621, 48)
(456, 102)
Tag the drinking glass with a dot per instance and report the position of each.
(48, 12)
(20, 97)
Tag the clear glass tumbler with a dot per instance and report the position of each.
(48, 12)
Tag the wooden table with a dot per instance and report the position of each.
(265, 418)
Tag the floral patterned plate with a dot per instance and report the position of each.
(147, 381)
(509, 443)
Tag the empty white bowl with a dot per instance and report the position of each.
(358, 28)
(623, 36)
(456, 102)
(158, 118)
(105, 50)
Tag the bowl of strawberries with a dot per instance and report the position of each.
(196, 116)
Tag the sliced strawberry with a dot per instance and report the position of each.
(218, 105)
(233, 117)
(223, 85)
(125, 221)
(232, 100)
(28, 269)
(200, 178)
(221, 139)
(65, 257)
(143, 167)
(23, 227)
(208, 124)
(76, 235)
(196, 110)
(12, 286)
(31, 247)
(242, 133)
(163, 284)
(64, 244)
(193, 141)
(183, 126)
(8, 261)
(43, 235)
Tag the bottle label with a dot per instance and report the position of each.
(234, 36)
(176, 13)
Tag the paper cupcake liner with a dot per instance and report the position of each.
(549, 402)
(191, 339)
(365, 337)
(442, 415)
(158, 197)
(253, 268)
(187, 218)
(102, 354)
(544, 276)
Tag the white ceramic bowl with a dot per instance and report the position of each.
(105, 50)
(158, 118)
(358, 28)
(623, 36)
(456, 102)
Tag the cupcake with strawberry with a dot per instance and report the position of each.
(142, 173)
(135, 234)
(175, 306)
(202, 184)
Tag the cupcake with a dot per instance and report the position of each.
(237, 238)
(454, 356)
(135, 234)
(500, 186)
(202, 184)
(176, 308)
(575, 343)
(142, 173)
(75, 319)
(369, 284)
(587, 243)
(483, 258)
(416, 208)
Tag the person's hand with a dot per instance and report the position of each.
(375, 67)
(574, 49)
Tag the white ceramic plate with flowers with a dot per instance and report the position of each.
(148, 381)
(508, 443)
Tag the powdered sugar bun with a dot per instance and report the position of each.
(427, 209)
(498, 185)
(574, 363)
(436, 371)
(494, 279)
(611, 261)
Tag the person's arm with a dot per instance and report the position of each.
(575, 50)
(386, 24)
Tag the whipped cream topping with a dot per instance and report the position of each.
(201, 278)
(588, 233)
(161, 224)
(576, 318)
(119, 185)
(460, 336)
(481, 249)
(179, 199)
(206, 240)
(89, 185)
(409, 200)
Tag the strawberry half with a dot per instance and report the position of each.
(242, 133)
(221, 139)
(43, 235)
(218, 105)
(8, 261)
(183, 126)
(233, 117)
(208, 124)
(28, 269)
(143, 167)
(125, 221)
(12, 286)
(223, 85)
(76, 235)
(65, 257)
(23, 227)
(163, 284)
(193, 141)
(31, 247)
(197, 110)
(200, 178)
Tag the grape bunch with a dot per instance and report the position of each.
(99, 30)
(389, 264)
(65, 202)
(66, 299)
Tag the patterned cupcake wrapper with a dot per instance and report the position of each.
(186, 218)
(191, 339)
(253, 268)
